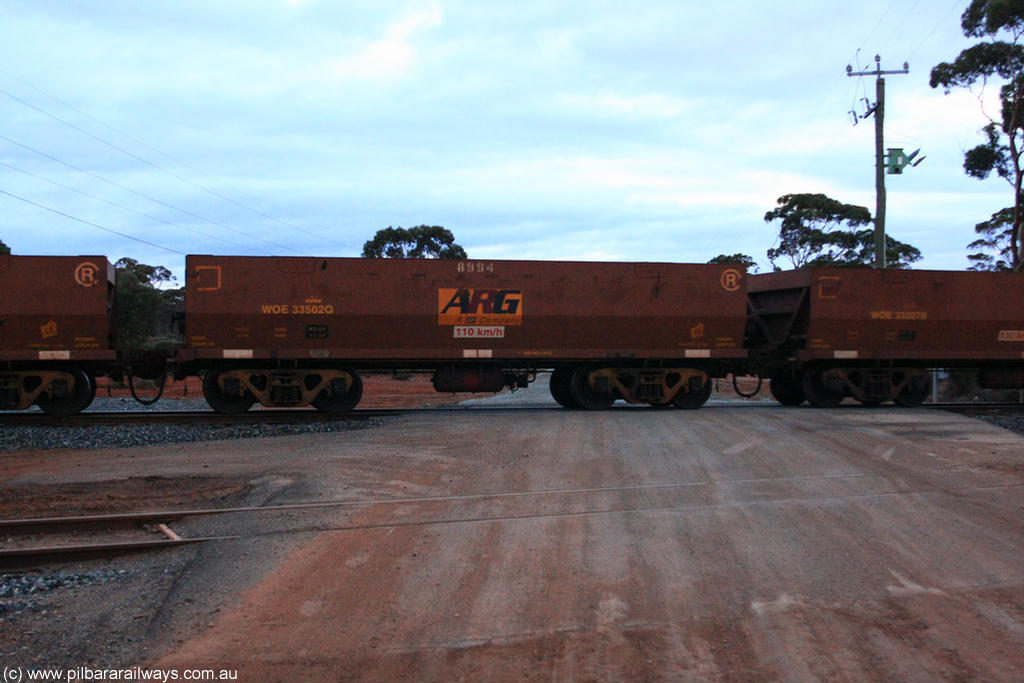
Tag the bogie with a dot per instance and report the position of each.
(594, 387)
(826, 387)
(234, 390)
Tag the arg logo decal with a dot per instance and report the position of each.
(479, 306)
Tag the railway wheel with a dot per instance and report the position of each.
(787, 391)
(914, 392)
(328, 402)
(77, 399)
(691, 400)
(585, 395)
(817, 391)
(561, 387)
(222, 402)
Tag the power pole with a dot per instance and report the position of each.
(878, 109)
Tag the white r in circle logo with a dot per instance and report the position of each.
(731, 279)
(85, 274)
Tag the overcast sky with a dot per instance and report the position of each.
(643, 131)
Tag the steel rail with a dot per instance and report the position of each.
(26, 558)
(40, 419)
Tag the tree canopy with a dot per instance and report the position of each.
(737, 259)
(144, 312)
(4, 249)
(994, 58)
(423, 241)
(142, 273)
(993, 243)
(816, 230)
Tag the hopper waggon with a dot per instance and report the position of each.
(298, 331)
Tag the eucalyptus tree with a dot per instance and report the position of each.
(423, 241)
(993, 250)
(817, 230)
(737, 259)
(999, 56)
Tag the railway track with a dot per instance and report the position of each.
(303, 416)
(41, 419)
(36, 542)
(293, 416)
(41, 541)
(969, 407)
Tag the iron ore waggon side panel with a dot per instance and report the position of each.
(55, 330)
(477, 325)
(873, 333)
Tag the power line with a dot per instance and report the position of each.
(153, 165)
(875, 28)
(899, 25)
(143, 195)
(125, 208)
(90, 223)
(956, 3)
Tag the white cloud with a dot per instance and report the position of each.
(392, 56)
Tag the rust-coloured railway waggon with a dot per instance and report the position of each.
(822, 334)
(55, 330)
(288, 331)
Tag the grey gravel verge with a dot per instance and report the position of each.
(119, 436)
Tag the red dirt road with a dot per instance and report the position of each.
(731, 543)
